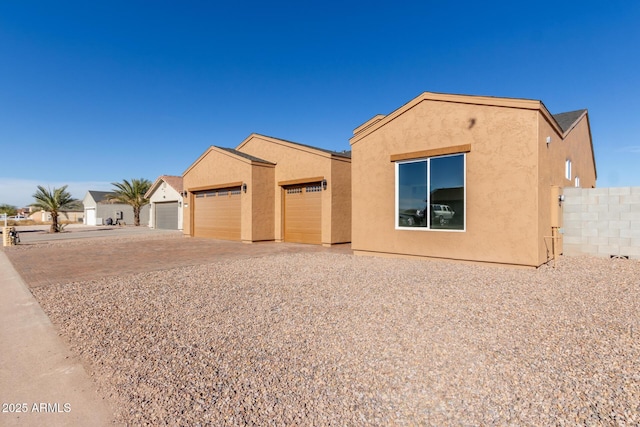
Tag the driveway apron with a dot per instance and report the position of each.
(41, 382)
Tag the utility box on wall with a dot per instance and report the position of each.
(118, 215)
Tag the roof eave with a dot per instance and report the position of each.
(153, 187)
(198, 160)
(585, 115)
(238, 155)
(294, 145)
(367, 128)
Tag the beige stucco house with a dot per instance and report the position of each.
(269, 189)
(467, 178)
(74, 214)
(165, 200)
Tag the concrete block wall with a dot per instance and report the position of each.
(602, 221)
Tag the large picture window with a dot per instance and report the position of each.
(430, 193)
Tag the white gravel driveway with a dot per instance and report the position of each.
(333, 339)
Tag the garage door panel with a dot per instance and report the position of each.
(303, 214)
(217, 214)
(166, 215)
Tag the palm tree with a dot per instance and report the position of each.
(8, 209)
(53, 201)
(132, 193)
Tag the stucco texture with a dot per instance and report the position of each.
(299, 163)
(215, 169)
(262, 205)
(574, 145)
(503, 179)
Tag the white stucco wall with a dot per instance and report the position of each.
(165, 193)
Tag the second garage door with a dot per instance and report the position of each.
(166, 215)
(217, 214)
(303, 213)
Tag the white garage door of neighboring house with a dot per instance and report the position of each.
(91, 216)
(216, 214)
(303, 213)
(166, 215)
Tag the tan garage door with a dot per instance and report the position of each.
(303, 213)
(217, 214)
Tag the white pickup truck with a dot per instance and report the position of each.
(441, 214)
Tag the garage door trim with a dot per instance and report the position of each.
(301, 181)
(215, 187)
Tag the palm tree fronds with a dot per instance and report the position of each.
(53, 201)
(132, 193)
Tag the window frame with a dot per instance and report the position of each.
(397, 164)
(567, 169)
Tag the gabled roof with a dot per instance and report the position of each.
(372, 121)
(380, 120)
(101, 196)
(245, 155)
(563, 123)
(569, 119)
(344, 154)
(173, 181)
(233, 153)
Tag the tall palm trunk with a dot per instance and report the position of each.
(54, 223)
(136, 216)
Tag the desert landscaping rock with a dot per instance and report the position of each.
(333, 339)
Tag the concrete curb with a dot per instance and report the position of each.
(39, 376)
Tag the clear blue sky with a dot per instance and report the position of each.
(96, 92)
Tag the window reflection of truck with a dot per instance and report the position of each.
(441, 214)
(411, 218)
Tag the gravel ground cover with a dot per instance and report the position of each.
(333, 339)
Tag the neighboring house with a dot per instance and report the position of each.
(269, 189)
(97, 208)
(26, 211)
(165, 198)
(74, 214)
(494, 168)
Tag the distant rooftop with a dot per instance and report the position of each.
(101, 196)
(174, 182)
(566, 120)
